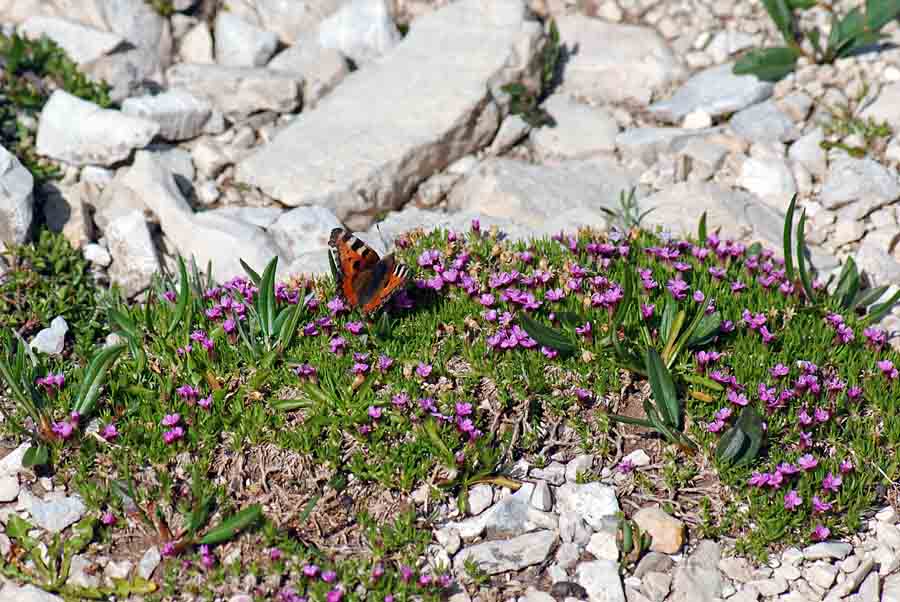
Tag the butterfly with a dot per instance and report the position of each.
(364, 279)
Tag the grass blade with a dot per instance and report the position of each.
(663, 389)
(545, 336)
(801, 258)
(786, 239)
(232, 526)
(848, 284)
(701, 229)
(880, 310)
(184, 295)
(254, 276)
(95, 376)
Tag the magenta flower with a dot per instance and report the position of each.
(171, 419)
(424, 580)
(310, 570)
(406, 573)
(169, 296)
(173, 435)
(737, 398)
(820, 506)
(108, 518)
(887, 367)
(846, 466)
(678, 288)
(378, 571)
(792, 500)
(337, 344)
(275, 554)
(334, 595)
(385, 362)
(109, 432)
(354, 327)
(305, 371)
(423, 370)
(758, 479)
(336, 306)
(374, 412)
(807, 462)
(51, 383)
(699, 297)
(787, 469)
(63, 430)
(463, 409)
(168, 550)
(625, 466)
(820, 533)
(205, 402)
(832, 482)
(187, 392)
(329, 576)
(400, 400)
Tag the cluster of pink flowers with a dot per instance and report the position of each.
(51, 383)
(176, 431)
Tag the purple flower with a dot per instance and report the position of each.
(554, 294)
(647, 310)
(548, 352)
(311, 570)
(758, 479)
(678, 288)
(187, 392)
(337, 344)
(359, 368)
(787, 469)
(820, 506)
(275, 554)
(374, 412)
(737, 398)
(169, 296)
(377, 571)
(846, 466)
(807, 462)
(305, 371)
(173, 435)
(334, 595)
(424, 580)
(423, 370)
(487, 299)
(171, 419)
(109, 432)
(887, 367)
(625, 466)
(820, 533)
(51, 383)
(205, 402)
(406, 573)
(400, 400)
(108, 518)
(463, 409)
(354, 327)
(699, 297)
(832, 482)
(792, 500)
(168, 550)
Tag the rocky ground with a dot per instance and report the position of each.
(252, 132)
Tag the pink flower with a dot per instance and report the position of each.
(820, 533)
(168, 550)
(792, 500)
(832, 482)
(206, 402)
(846, 466)
(275, 554)
(109, 432)
(108, 518)
(173, 435)
(807, 462)
(334, 595)
(63, 430)
(171, 419)
(337, 344)
(311, 570)
(820, 506)
(423, 370)
(329, 576)
(374, 412)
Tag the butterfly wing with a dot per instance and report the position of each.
(387, 278)
(354, 261)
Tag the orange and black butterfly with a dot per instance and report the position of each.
(364, 279)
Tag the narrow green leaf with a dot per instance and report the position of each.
(801, 4)
(781, 14)
(547, 336)
(624, 304)
(569, 318)
(881, 12)
(184, 295)
(848, 284)
(674, 331)
(289, 405)
(266, 299)
(630, 420)
(787, 241)
(869, 296)
(701, 229)
(768, 64)
(688, 332)
(815, 36)
(289, 329)
(254, 276)
(703, 381)
(232, 526)
(668, 316)
(664, 392)
(199, 516)
(844, 33)
(754, 249)
(801, 258)
(879, 311)
(95, 377)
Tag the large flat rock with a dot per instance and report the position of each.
(535, 195)
(433, 99)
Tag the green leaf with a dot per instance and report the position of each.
(94, 377)
(82, 534)
(848, 284)
(815, 36)
(184, 295)
(688, 332)
(786, 240)
(701, 229)
(754, 249)
(768, 64)
(570, 318)
(782, 16)
(668, 317)
(36, 455)
(254, 276)
(801, 258)
(750, 423)
(18, 528)
(879, 311)
(547, 336)
(624, 304)
(731, 445)
(674, 331)
(844, 33)
(706, 330)
(200, 514)
(801, 4)
(630, 420)
(289, 328)
(881, 12)
(232, 526)
(266, 299)
(867, 297)
(663, 389)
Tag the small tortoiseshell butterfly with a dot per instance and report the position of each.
(365, 280)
